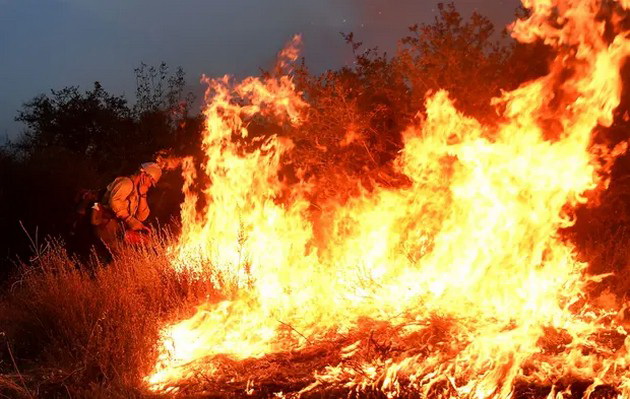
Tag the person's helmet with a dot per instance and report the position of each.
(152, 169)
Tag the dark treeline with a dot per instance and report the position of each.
(76, 139)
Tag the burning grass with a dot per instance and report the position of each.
(358, 365)
(90, 331)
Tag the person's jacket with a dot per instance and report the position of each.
(123, 198)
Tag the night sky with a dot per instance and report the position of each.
(49, 44)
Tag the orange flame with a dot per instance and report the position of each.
(473, 237)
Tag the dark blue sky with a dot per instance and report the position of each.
(49, 44)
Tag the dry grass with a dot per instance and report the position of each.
(89, 330)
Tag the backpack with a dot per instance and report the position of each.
(84, 200)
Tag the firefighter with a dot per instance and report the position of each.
(124, 207)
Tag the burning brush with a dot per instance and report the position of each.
(455, 285)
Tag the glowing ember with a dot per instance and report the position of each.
(473, 238)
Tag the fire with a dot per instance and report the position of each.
(472, 238)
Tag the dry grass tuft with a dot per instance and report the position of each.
(89, 330)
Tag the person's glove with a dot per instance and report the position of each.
(136, 225)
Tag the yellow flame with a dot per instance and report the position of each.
(473, 236)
